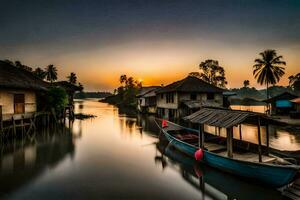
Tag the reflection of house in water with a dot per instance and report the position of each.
(22, 161)
(147, 123)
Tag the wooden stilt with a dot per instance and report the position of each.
(259, 140)
(229, 142)
(22, 125)
(201, 136)
(14, 126)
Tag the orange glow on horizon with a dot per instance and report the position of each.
(160, 62)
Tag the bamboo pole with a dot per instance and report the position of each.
(259, 140)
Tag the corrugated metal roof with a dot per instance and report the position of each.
(221, 117)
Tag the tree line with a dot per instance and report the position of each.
(268, 69)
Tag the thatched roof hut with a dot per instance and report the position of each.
(16, 78)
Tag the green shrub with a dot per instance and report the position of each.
(57, 98)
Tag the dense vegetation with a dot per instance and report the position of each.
(211, 72)
(125, 95)
(57, 99)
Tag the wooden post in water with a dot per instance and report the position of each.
(259, 140)
(229, 142)
(14, 126)
(22, 125)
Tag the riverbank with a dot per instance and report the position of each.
(124, 108)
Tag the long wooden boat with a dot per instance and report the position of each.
(273, 172)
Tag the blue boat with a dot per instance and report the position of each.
(275, 173)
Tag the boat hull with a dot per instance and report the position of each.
(273, 175)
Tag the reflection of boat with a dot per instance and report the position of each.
(271, 171)
(216, 184)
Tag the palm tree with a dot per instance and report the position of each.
(269, 68)
(40, 73)
(81, 87)
(123, 79)
(72, 78)
(51, 73)
(246, 83)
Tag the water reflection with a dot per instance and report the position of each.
(213, 183)
(117, 157)
(22, 160)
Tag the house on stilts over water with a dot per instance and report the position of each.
(19, 92)
(186, 96)
(22, 99)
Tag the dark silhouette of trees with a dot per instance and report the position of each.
(269, 68)
(81, 87)
(294, 83)
(123, 79)
(72, 78)
(40, 73)
(21, 66)
(212, 72)
(128, 90)
(246, 83)
(51, 73)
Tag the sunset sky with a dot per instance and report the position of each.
(158, 41)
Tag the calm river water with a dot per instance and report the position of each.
(113, 156)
